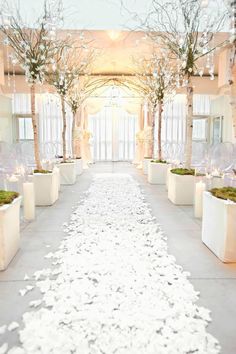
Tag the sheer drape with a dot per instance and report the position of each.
(174, 125)
(113, 134)
(48, 108)
(113, 129)
(174, 117)
(174, 121)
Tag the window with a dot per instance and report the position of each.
(217, 130)
(24, 128)
(200, 129)
(113, 131)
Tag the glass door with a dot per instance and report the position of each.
(113, 134)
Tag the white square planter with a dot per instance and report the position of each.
(9, 232)
(181, 189)
(79, 166)
(146, 162)
(67, 172)
(219, 227)
(45, 186)
(157, 172)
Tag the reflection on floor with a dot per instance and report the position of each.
(215, 281)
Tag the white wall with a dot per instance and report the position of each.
(220, 106)
(6, 120)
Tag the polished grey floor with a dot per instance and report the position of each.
(215, 281)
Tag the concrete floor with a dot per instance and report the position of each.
(215, 281)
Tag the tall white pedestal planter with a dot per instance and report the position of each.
(157, 172)
(219, 227)
(67, 172)
(181, 189)
(168, 177)
(57, 184)
(85, 165)
(45, 186)
(9, 232)
(79, 166)
(200, 188)
(47, 165)
(217, 182)
(146, 162)
(29, 201)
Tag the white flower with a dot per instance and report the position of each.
(3, 348)
(115, 289)
(13, 326)
(3, 329)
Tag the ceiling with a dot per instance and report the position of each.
(117, 50)
(99, 14)
(117, 47)
(93, 14)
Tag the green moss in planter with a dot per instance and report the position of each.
(67, 161)
(158, 161)
(226, 193)
(183, 171)
(44, 172)
(147, 158)
(7, 197)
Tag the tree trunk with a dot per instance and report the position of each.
(153, 132)
(159, 130)
(35, 129)
(233, 96)
(73, 136)
(63, 111)
(189, 126)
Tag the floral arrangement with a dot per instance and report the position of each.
(140, 136)
(87, 135)
(148, 134)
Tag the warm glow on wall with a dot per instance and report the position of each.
(114, 35)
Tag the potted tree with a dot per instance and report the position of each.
(63, 77)
(9, 226)
(219, 222)
(34, 49)
(189, 44)
(76, 97)
(155, 80)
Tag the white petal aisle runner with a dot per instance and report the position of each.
(113, 288)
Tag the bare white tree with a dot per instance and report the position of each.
(187, 30)
(155, 80)
(34, 49)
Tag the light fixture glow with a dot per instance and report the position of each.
(114, 35)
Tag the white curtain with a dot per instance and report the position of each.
(174, 122)
(174, 125)
(113, 134)
(174, 117)
(113, 129)
(48, 109)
